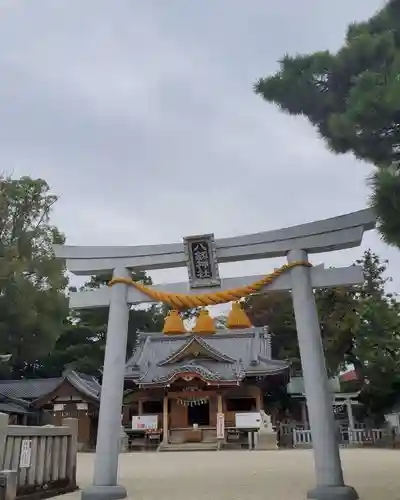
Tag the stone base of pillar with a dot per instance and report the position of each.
(333, 493)
(104, 493)
(267, 441)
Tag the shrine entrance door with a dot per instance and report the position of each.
(199, 414)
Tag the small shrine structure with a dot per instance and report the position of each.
(49, 401)
(202, 255)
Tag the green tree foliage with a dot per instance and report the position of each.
(353, 99)
(33, 304)
(335, 307)
(81, 345)
(376, 343)
(36, 326)
(78, 348)
(359, 326)
(385, 198)
(275, 310)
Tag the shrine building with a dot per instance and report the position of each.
(182, 382)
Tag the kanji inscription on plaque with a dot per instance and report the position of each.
(202, 261)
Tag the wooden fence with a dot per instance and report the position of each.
(44, 457)
(348, 437)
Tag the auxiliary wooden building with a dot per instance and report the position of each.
(49, 401)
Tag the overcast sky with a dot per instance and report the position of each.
(142, 118)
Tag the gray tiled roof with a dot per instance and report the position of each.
(86, 384)
(9, 404)
(234, 355)
(13, 408)
(32, 389)
(28, 389)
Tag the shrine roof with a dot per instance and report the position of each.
(33, 389)
(227, 356)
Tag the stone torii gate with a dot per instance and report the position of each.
(201, 254)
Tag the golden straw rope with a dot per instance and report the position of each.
(186, 301)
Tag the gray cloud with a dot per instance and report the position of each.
(141, 116)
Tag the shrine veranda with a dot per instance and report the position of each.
(201, 255)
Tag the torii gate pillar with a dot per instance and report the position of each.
(105, 482)
(330, 484)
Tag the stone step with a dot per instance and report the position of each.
(188, 447)
(178, 436)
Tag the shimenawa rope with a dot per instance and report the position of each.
(186, 301)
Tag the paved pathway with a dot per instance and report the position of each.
(244, 475)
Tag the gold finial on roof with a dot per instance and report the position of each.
(204, 324)
(173, 323)
(237, 318)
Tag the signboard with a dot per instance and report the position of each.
(339, 410)
(220, 426)
(201, 260)
(251, 420)
(393, 419)
(26, 454)
(144, 422)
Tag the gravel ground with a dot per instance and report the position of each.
(244, 475)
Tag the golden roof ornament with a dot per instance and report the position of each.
(237, 318)
(204, 323)
(173, 324)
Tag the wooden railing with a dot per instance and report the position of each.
(363, 436)
(43, 457)
(347, 437)
(301, 437)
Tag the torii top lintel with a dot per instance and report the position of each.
(326, 235)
